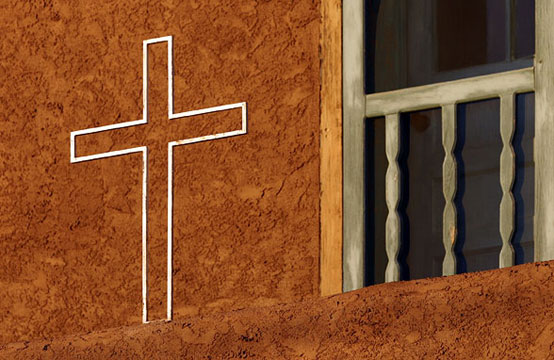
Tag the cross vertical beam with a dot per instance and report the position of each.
(170, 146)
(74, 158)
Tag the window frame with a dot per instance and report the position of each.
(357, 106)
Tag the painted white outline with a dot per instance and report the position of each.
(144, 151)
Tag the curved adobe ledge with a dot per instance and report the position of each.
(505, 313)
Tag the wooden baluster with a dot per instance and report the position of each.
(449, 185)
(392, 190)
(507, 176)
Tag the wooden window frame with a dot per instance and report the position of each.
(330, 263)
(357, 106)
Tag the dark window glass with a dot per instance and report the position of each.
(470, 33)
(478, 196)
(410, 43)
(422, 201)
(524, 28)
(376, 167)
(479, 193)
(524, 185)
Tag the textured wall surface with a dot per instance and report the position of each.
(246, 228)
(499, 314)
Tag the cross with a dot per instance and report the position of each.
(74, 158)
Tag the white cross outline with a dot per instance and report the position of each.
(144, 151)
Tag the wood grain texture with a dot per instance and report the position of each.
(544, 131)
(507, 177)
(331, 149)
(353, 104)
(435, 95)
(392, 189)
(449, 185)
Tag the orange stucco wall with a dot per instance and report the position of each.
(499, 314)
(246, 213)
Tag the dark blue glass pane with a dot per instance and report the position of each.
(524, 185)
(479, 193)
(422, 200)
(376, 215)
(524, 28)
(410, 43)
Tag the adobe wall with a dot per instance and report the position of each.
(498, 314)
(246, 209)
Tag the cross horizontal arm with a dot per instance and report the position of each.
(144, 150)
(158, 40)
(75, 159)
(242, 131)
(209, 110)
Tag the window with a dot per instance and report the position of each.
(438, 131)
(412, 43)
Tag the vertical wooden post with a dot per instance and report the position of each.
(331, 149)
(353, 144)
(544, 131)
(507, 177)
(449, 186)
(392, 191)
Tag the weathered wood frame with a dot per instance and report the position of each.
(331, 149)
(353, 109)
(357, 107)
(544, 130)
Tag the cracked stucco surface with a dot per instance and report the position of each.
(246, 209)
(498, 314)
